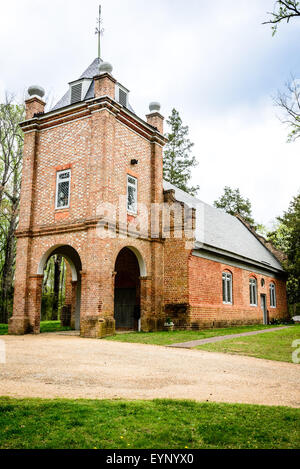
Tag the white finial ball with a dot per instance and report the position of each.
(36, 90)
(105, 67)
(154, 106)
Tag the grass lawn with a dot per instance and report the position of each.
(167, 338)
(46, 326)
(162, 424)
(275, 345)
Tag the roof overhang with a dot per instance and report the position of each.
(219, 255)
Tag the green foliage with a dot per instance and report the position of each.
(52, 302)
(284, 10)
(233, 203)
(11, 150)
(286, 237)
(178, 162)
(159, 424)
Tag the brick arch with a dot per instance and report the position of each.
(70, 254)
(139, 257)
(227, 271)
(73, 259)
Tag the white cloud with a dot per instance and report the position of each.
(247, 148)
(213, 61)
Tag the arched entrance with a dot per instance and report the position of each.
(129, 267)
(69, 276)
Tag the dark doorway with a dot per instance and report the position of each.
(127, 291)
(263, 304)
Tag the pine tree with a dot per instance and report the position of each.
(233, 203)
(178, 162)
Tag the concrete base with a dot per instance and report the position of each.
(19, 326)
(96, 327)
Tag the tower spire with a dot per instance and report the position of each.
(99, 31)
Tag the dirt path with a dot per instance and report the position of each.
(210, 340)
(51, 365)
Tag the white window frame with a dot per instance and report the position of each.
(272, 289)
(132, 212)
(253, 289)
(227, 277)
(57, 184)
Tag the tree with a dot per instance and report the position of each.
(287, 238)
(11, 150)
(178, 162)
(233, 203)
(284, 10)
(289, 100)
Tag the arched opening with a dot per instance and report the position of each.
(61, 286)
(129, 266)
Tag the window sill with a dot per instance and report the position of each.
(62, 209)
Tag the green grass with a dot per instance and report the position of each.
(162, 424)
(46, 326)
(53, 326)
(275, 345)
(3, 329)
(167, 338)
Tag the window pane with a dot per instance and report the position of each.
(131, 199)
(63, 194)
(224, 289)
(229, 290)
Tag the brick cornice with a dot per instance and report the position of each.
(84, 225)
(85, 109)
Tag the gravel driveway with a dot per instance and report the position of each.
(52, 365)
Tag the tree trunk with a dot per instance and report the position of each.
(8, 265)
(57, 270)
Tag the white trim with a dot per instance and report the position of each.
(228, 275)
(251, 284)
(56, 191)
(272, 284)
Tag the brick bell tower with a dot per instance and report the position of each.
(91, 171)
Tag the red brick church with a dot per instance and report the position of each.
(138, 250)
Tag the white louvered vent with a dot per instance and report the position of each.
(122, 97)
(76, 92)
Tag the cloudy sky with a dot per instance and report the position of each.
(213, 61)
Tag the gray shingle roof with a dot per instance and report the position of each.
(218, 229)
(89, 73)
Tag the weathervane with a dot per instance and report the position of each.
(99, 31)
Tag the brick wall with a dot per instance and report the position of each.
(206, 301)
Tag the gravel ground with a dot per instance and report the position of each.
(53, 365)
